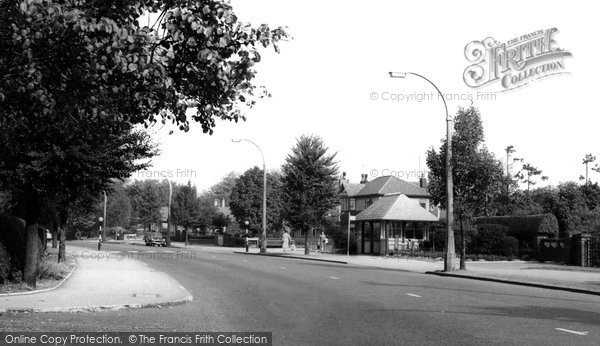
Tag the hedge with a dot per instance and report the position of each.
(527, 229)
(492, 240)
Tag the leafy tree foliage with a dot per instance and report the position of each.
(223, 189)
(208, 213)
(146, 201)
(118, 207)
(246, 200)
(528, 174)
(186, 206)
(477, 175)
(575, 207)
(309, 178)
(77, 76)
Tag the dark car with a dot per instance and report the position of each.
(154, 239)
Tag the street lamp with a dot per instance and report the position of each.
(104, 216)
(246, 223)
(263, 237)
(449, 263)
(168, 240)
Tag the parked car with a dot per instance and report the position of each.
(154, 239)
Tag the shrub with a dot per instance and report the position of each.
(4, 263)
(12, 235)
(49, 268)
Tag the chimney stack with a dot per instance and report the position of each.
(423, 182)
(364, 178)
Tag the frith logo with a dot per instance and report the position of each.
(516, 62)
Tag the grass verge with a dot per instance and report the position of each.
(50, 274)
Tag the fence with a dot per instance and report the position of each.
(581, 250)
(587, 250)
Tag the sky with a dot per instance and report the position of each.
(331, 80)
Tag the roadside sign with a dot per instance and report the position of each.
(164, 214)
(352, 217)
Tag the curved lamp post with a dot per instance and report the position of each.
(263, 236)
(449, 263)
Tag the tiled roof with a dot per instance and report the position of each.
(398, 208)
(391, 185)
(350, 189)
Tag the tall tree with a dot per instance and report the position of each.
(309, 177)
(146, 201)
(77, 76)
(118, 206)
(186, 207)
(246, 200)
(588, 159)
(478, 176)
(208, 211)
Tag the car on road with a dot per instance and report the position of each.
(154, 239)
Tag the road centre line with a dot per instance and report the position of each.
(414, 295)
(333, 277)
(571, 331)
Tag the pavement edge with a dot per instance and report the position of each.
(44, 289)
(513, 282)
(290, 256)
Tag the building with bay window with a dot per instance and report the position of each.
(391, 214)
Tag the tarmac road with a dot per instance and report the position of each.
(317, 303)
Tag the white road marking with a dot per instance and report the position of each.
(333, 277)
(413, 295)
(244, 260)
(282, 268)
(571, 331)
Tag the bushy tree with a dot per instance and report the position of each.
(246, 200)
(76, 77)
(118, 206)
(186, 207)
(146, 201)
(477, 175)
(309, 178)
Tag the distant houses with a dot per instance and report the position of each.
(390, 214)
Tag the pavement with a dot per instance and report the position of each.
(100, 281)
(113, 280)
(535, 274)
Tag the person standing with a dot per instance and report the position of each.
(322, 241)
(287, 239)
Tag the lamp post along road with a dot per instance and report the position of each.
(104, 217)
(449, 262)
(263, 237)
(168, 240)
